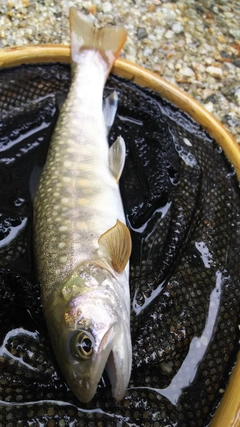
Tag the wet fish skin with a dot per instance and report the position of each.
(82, 244)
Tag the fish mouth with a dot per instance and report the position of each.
(86, 388)
(111, 371)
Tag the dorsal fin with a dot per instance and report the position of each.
(117, 154)
(116, 243)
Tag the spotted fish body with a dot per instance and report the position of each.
(81, 240)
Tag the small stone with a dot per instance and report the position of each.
(177, 28)
(151, 8)
(130, 58)
(170, 65)
(214, 71)
(208, 61)
(199, 68)
(187, 72)
(237, 96)
(86, 5)
(231, 120)
(147, 51)
(235, 32)
(168, 13)
(209, 107)
(25, 3)
(236, 62)
(222, 39)
(141, 33)
(169, 34)
(157, 68)
(131, 54)
(92, 10)
(107, 7)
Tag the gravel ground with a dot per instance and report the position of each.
(193, 44)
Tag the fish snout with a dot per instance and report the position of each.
(83, 388)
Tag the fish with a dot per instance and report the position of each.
(82, 243)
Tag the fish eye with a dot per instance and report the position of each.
(82, 345)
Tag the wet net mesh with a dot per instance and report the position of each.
(182, 205)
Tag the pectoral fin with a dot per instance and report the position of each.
(117, 154)
(116, 242)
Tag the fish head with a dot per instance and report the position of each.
(89, 334)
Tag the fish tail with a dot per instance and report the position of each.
(108, 41)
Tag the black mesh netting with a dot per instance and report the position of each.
(182, 203)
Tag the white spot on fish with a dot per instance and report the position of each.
(63, 228)
(75, 123)
(82, 226)
(66, 179)
(71, 150)
(67, 164)
(82, 201)
(61, 245)
(63, 259)
(86, 167)
(65, 200)
(83, 182)
(71, 141)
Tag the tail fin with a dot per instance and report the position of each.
(84, 35)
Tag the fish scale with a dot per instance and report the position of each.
(144, 405)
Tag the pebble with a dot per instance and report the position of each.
(106, 7)
(169, 34)
(141, 33)
(235, 32)
(171, 38)
(209, 106)
(214, 71)
(86, 4)
(236, 62)
(237, 96)
(168, 12)
(177, 28)
(187, 72)
(147, 51)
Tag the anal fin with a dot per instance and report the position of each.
(117, 154)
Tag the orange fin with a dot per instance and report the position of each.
(116, 243)
(84, 35)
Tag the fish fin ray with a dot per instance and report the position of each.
(116, 158)
(110, 105)
(116, 242)
(84, 35)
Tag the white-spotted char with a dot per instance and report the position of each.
(82, 244)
